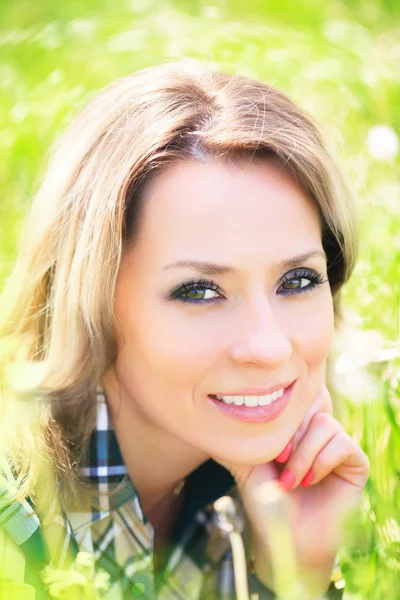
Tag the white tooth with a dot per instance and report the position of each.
(238, 400)
(264, 400)
(227, 399)
(251, 400)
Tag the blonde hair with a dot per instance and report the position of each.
(57, 305)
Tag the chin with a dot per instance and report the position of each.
(249, 457)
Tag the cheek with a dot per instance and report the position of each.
(316, 341)
(168, 346)
(312, 333)
(186, 351)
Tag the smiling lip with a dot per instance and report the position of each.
(255, 414)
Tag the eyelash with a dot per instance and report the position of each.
(200, 284)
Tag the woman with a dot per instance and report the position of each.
(176, 290)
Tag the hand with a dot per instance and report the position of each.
(322, 481)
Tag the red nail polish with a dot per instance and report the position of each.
(307, 479)
(286, 479)
(284, 455)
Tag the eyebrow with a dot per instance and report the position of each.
(208, 268)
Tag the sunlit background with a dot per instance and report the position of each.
(341, 61)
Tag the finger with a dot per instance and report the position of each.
(321, 404)
(321, 430)
(342, 456)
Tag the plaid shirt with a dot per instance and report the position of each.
(114, 529)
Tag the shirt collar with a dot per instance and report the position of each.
(104, 469)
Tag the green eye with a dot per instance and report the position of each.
(197, 292)
(299, 281)
(295, 284)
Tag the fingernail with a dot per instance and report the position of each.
(284, 455)
(286, 479)
(307, 479)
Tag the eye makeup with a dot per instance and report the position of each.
(297, 281)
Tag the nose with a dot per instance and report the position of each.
(263, 340)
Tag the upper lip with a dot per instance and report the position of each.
(255, 391)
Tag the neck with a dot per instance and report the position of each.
(155, 459)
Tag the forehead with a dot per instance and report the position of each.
(200, 208)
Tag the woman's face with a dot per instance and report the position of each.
(265, 323)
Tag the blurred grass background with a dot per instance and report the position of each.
(341, 61)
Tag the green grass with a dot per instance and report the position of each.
(339, 60)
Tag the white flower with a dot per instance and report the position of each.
(382, 142)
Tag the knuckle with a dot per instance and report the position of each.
(343, 442)
(323, 463)
(322, 419)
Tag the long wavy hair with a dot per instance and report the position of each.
(57, 313)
